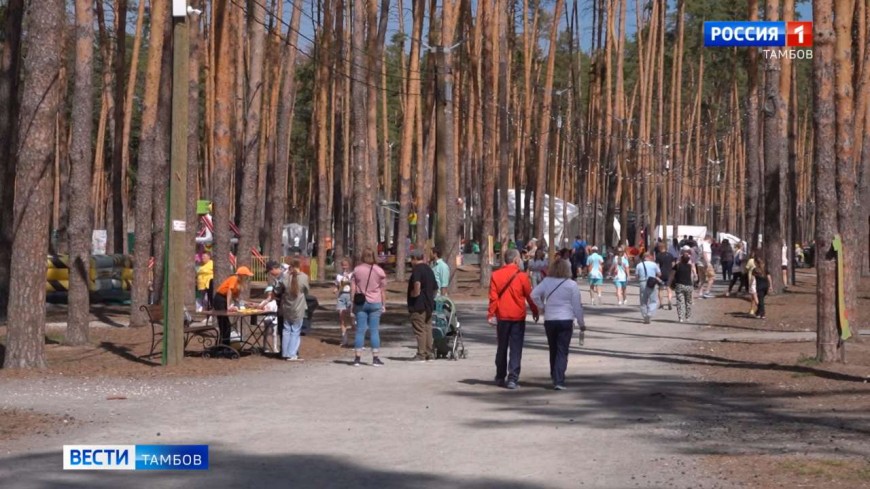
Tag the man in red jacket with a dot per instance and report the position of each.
(509, 291)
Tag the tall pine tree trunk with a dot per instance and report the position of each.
(224, 151)
(10, 64)
(38, 111)
(407, 145)
(544, 127)
(753, 164)
(146, 168)
(774, 158)
(120, 61)
(81, 157)
(253, 139)
(286, 109)
(829, 348)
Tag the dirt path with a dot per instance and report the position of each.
(632, 417)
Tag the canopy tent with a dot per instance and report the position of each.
(562, 230)
(697, 232)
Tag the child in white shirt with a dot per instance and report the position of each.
(269, 304)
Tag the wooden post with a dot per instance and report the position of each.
(176, 218)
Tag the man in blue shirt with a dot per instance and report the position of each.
(442, 271)
(647, 269)
(595, 264)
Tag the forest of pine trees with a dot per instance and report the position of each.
(321, 111)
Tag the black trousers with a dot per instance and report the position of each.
(510, 342)
(220, 304)
(559, 339)
(761, 293)
(738, 278)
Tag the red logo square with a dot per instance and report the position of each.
(799, 34)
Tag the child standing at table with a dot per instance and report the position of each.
(269, 304)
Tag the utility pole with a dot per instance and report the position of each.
(176, 217)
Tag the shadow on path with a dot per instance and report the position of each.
(228, 468)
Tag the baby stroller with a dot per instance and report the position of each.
(446, 331)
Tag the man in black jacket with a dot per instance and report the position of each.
(422, 288)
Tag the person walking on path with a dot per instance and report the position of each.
(750, 277)
(649, 276)
(709, 273)
(785, 265)
(509, 291)
(621, 274)
(538, 267)
(726, 253)
(762, 285)
(558, 297)
(293, 308)
(665, 261)
(737, 275)
(343, 303)
(422, 288)
(442, 271)
(368, 290)
(595, 266)
(683, 281)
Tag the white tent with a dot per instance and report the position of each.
(697, 232)
(563, 230)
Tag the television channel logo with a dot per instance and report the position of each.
(758, 34)
(135, 457)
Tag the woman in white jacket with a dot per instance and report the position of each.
(559, 298)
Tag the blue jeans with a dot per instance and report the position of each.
(368, 317)
(291, 339)
(649, 300)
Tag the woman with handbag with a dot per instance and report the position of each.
(558, 296)
(683, 281)
(368, 290)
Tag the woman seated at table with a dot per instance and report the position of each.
(226, 295)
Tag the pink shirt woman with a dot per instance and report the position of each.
(370, 280)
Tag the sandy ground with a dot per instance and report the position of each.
(644, 408)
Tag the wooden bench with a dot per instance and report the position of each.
(206, 334)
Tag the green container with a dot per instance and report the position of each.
(202, 206)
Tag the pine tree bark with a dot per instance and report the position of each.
(38, 111)
(251, 165)
(145, 171)
(286, 109)
(406, 149)
(847, 174)
(774, 157)
(10, 65)
(544, 131)
(829, 348)
(362, 191)
(321, 118)
(81, 156)
(120, 61)
(194, 163)
(224, 122)
(162, 149)
(753, 164)
(128, 115)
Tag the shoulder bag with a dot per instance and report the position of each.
(359, 298)
(651, 282)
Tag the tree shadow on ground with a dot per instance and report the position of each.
(686, 415)
(229, 468)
